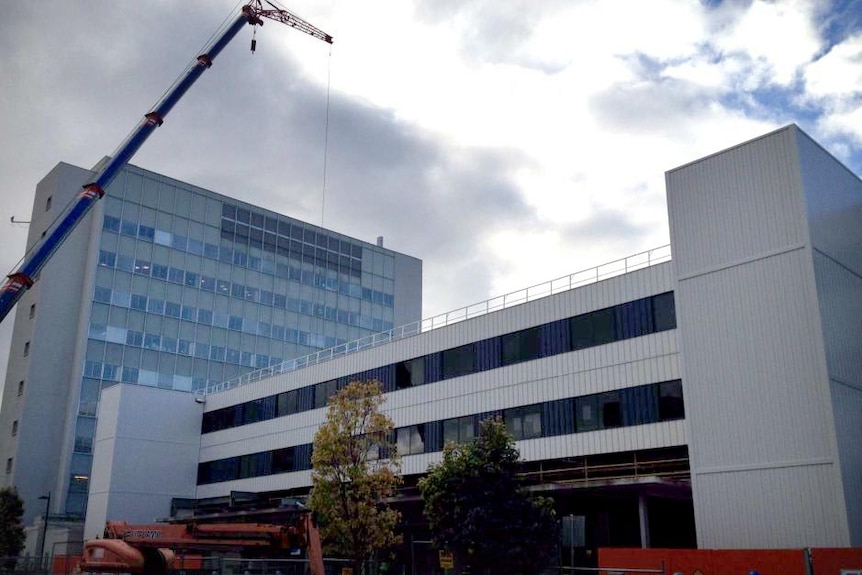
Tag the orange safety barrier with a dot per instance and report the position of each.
(831, 561)
(707, 561)
(64, 564)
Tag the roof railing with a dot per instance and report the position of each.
(572, 281)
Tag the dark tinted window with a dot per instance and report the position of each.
(519, 346)
(670, 404)
(409, 373)
(664, 311)
(610, 409)
(593, 329)
(459, 361)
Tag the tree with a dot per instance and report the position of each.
(355, 468)
(477, 508)
(12, 534)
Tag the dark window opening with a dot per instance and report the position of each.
(670, 402)
(664, 311)
(520, 346)
(459, 361)
(409, 373)
(592, 329)
(611, 409)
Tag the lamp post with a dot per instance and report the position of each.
(47, 499)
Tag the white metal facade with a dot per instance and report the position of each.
(628, 363)
(768, 443)
(767, 275)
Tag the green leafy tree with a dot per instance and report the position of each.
(355, 468)
(12, 534)
(477, 508)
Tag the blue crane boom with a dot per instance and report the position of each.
(27, 272)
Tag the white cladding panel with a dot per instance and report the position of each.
(840, 292)
(789, 507)
(742, 202)
(143, 433)
(756, 387)
(638, 361)
(834, 202)
(758, 403)
(664, 434)
(638, 284)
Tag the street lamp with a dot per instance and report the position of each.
(47, 499)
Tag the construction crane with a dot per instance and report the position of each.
(27, 272)
(152, 549)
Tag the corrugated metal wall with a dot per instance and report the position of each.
(622, 364)
(762, 444)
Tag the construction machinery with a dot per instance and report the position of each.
(153, 549)
(27, 271)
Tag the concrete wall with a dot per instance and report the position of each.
(145, 454)
(642, 360)
(408, 290)
(53, 333)
(765, 468)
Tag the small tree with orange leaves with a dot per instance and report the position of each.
(355, 468)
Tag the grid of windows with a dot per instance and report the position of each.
(179, 305)
(638, 405)
(631, 319)
(224, 287)
(247, 227)
(238, 256)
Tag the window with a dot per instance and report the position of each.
(409, 373)
(26, 348)
(593, 329)
(610, 409)
(160, 272)
(411, 440)
(323, 391)
(670, 403)
(287, 403)
(8, 466)
(139, 302)
(283, 460)
(459, 430)
(14, 428)
(586, 413)
(664, 311)
(519, 346)
(20, 388)
(459, 361)
(524, 422)
(48, 206)
(107, 259)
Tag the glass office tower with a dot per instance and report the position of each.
(183, 288)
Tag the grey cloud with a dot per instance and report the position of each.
(661, 106)
(493, 31)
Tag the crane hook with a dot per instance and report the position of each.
(253, 40)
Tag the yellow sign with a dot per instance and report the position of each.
(447, 561)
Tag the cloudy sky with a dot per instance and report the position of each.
(503, 142)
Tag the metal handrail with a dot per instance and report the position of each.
(592, 275)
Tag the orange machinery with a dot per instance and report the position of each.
(151, 549)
